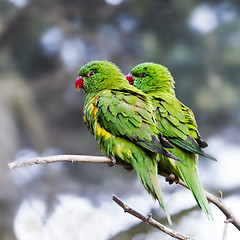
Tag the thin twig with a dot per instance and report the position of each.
(149, 220)
(97, 159)
(226, 224)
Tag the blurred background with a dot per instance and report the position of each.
(42, 46)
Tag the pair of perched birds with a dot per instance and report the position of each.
(138, 119)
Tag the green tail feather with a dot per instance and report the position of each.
(148, 177)
(190, 177)
(159, 195)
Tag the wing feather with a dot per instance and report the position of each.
(131, 117)
(177, 123)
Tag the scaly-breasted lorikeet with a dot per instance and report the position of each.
(177, 123)
(121, 118)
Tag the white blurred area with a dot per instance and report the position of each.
(114, 2)
(223, 174)
(74, 218)
(18, 3)
(206, 18)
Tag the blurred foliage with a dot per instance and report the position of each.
(39, 106)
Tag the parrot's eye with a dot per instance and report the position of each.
(142, 75)
(91, 74)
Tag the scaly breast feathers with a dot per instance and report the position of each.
(103, 137)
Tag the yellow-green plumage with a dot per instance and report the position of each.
(177, 123)
(120, 117)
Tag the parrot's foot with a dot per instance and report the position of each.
(114, 161)
(171, 178)
(128, 168)
(125, 165)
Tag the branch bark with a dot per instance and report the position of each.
(59, 158)
(149, 220)
(97, 159)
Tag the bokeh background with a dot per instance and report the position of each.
(42, 46)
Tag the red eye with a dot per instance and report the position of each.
(91, 74)
(142, 75)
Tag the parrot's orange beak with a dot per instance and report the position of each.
(130, 79)
(79, 83)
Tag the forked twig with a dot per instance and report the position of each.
(149, 220)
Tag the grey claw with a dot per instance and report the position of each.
(111, 164)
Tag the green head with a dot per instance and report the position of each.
(150, 77)
(96, 76)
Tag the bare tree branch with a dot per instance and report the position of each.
(59, 158)
(97, 159)
(149, 220)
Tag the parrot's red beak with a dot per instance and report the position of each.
(79, 83)
(130, 79)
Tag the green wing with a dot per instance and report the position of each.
(177, 123)
(129, 115)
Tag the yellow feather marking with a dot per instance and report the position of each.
(107, 135)
(90, 109)
(101, 132)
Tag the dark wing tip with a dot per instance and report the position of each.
(164, 141)
(201, 142)
(170, 155)
(209, 156)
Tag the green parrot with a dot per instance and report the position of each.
(121, 118)
(177, 123)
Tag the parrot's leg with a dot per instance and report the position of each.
(171, 178)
